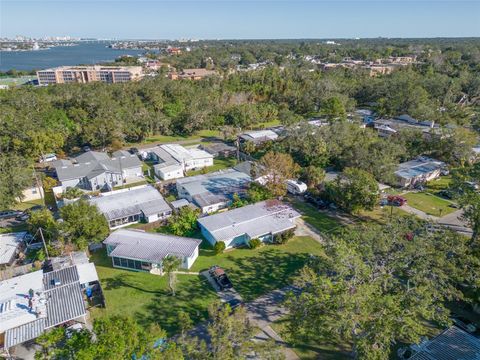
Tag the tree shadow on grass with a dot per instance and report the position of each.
(193, 296)
(268, 270)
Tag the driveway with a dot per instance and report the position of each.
(261, 312)
(304, 229)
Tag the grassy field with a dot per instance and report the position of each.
(27, 204)
(381, 215)
(256, 272)
(319, 220)
(428, 203)
(202, 134)
(321, 348)
(218, 164)
(146, 297)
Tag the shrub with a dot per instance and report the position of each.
(254, 243)
(219, 247)
(283, 237)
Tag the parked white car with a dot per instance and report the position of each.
(296, 187)
(48, 158)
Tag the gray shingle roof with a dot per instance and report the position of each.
(139, 245)
(146, 200)
(452, 344)
(419, 166)
(93, 163)
(91, 156)
(255, 220)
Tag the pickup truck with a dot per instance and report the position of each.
(218, 274)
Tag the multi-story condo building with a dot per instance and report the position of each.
(85, 74)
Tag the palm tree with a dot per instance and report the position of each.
(170, 265)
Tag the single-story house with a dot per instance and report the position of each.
(95, 170)
(453, 343)
(141, 251)
(37, 301)
(9, 246)
(219, 149)
(261, 221)
(418, 171)
(259, 136)
(214, 191)
(191, 158)
(129, 206)
(172, 160)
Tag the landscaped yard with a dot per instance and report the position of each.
(27, 204)
(439, 184)
(381, 215)
(146, 297)
(218, 164)
(256, 272)
(253, 273)
(428, 203)
(319, 220)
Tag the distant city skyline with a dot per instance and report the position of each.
(232, 19)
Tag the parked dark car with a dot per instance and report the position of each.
(133, 151)
(447, 194)
(315, 200)
(220, 277)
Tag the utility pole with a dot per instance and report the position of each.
(40, 188)
(44, 243)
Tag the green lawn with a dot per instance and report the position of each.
(256, 272)
(428, 203)
(218, 164)
(202, 134)
(27, 204)
(126, 186)
(381, 215)
(324, 347)
(319, 220)
(146, 297)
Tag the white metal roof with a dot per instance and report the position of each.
(271, 216)
(8, 246)
(143, 246)
(131, 202)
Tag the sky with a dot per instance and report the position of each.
(239, 19)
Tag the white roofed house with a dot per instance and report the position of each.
(236, 227)
(9, 247)
(173, 160)
(129, 206)
(418, 171)
(97, 171)
(141, 251)
(33, 303)
(259, 136)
